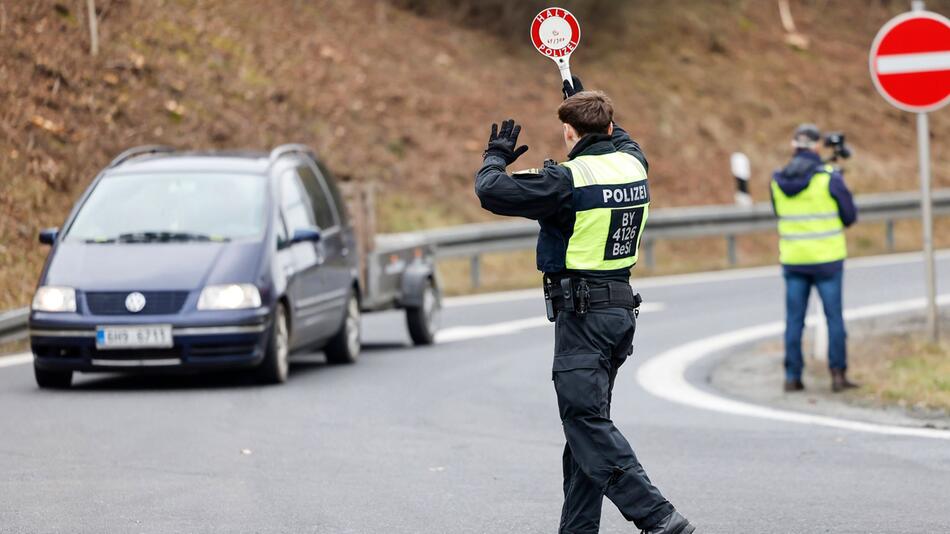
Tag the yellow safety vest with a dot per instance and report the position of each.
(611, 204)
(809, 226)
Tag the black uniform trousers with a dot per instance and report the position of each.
(598, 460)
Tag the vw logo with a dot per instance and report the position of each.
(135, 302)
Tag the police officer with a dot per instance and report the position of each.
(813, 206)
(592, 210)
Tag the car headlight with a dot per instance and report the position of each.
(54, 299)
(229, 297)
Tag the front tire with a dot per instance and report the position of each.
(52, 379)
(275, 367)
(344, 347)
(423, 321)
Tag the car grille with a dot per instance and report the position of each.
(221, 350)
(136, 354)
(156, 302)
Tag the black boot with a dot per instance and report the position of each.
(840, 382)
(674, 523)
(794, 385)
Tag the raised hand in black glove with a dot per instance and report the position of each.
(571, 91)
(502, 143)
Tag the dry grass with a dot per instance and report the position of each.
(499, 272)
(902, 369)
(14, 347)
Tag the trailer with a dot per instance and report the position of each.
(396, 271)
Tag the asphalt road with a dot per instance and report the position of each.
(462, 437)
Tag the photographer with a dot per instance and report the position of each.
(813, 206)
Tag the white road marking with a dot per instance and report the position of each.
(16, 359)
(908, 63)
(665, 375)
(462, 333)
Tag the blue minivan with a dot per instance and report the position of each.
(199, 261)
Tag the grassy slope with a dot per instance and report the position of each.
(393, 97)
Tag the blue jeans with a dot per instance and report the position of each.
(797, 289)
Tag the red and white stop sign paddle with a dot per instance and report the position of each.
(910, 61)
(555, 32)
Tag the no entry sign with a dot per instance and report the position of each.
(555, 32)
(910, 61)
(910, 66)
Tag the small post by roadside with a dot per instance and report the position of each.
(741, 171)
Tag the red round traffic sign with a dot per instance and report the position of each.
(910, 61)
(555, 32)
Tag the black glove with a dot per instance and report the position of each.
(571, 91)
(502, 143)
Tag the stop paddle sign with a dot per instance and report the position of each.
(555, 32)
(910, 61)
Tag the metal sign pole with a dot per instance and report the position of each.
(926, 212)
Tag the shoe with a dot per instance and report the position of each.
(674, 523)
(840, 382)
(794, 385)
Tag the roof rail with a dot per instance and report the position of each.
(290, 148)
(139, 151)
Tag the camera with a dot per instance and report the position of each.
(835, 141)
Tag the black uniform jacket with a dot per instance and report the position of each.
(547, 196)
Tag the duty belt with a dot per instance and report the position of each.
(579, 295)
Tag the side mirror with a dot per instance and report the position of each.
(311, 234)
(300, 235)
(48, 235)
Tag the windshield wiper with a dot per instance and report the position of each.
(156, 237)
(163, 237)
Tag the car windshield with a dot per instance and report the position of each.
(138, 208)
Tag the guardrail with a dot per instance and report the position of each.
(727, 221)
(13, 324)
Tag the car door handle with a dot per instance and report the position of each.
(345, 251)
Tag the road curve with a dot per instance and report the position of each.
(462, 437)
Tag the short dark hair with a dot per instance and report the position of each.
(587, 112)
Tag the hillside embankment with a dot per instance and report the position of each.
(403, 92)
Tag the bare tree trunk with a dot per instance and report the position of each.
(93, 28)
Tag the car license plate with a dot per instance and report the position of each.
(126, 337)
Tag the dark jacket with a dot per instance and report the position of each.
(547, 196)
(794, 178)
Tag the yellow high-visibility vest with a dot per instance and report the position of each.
(809, 226)
(611, 203)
